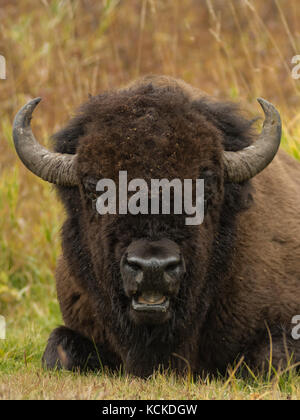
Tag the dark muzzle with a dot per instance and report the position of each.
(151, 273)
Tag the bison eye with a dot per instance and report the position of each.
(90, 189)
(92, 196)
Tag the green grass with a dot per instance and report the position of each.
(63, 50)
(21, 377)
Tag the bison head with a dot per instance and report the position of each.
(147, 266)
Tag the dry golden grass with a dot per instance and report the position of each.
(38, 385)
(64, 49)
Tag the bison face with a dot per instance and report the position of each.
(144, 262)
(147, 263)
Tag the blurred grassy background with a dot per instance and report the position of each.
(63, 50)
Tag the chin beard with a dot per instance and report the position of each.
(150, 348)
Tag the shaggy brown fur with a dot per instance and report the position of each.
(242, 264)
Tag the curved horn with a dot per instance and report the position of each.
(245, 164)
(57, 168)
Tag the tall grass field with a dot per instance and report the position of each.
(64, 50)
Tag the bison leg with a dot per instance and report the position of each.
(70, 350)
(284, 353)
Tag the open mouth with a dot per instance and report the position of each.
(150, 302)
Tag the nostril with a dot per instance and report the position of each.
(173, 266)
(133, 265)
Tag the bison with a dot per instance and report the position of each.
(146, 291)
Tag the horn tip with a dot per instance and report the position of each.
(30, 106)
(23, 117)
(34, 102)
(37, 100)
(269, 109)
(262, 102)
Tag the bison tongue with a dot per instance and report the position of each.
(151, 298)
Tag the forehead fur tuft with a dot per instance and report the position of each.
(156, 125)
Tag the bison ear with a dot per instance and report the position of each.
(58, 168)
(245, 164)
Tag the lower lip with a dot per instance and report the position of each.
(144, 307)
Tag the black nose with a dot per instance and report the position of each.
(150, 263)
(152, 266)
